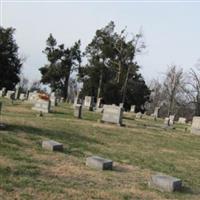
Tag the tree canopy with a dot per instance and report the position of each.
(10, 62)
(111, 71)
(62, 62)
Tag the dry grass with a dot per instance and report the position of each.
(139, 150)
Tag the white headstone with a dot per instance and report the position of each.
(195, 125)
(112, 114)
(42, 106)
(182, 120)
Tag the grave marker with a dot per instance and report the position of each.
(165, 183)
(195, 125)
(112, 114)
(78, 111)
(99, 163)
(52, 145)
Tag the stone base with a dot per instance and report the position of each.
(99, 163)
(52, 145)
(165, 183)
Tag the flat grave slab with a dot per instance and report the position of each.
(52, 145)
(99, 163)
(165, 183)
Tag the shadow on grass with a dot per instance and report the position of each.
(73, 138)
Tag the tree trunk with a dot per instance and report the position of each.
(100, 84)
(125, 86)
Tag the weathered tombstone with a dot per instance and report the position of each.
(132, 109)
(88, 102)
(182, 120)
(171, 119)
(78, 111)
(138, 115)
(42, 106)
(195, 129)
(166, 121)
(10, 94)
(52, 145)
(22, 96)
(53, 99)
(112, 114)
(99, 163)
(165, 183)
(3, 91)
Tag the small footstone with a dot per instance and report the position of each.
(99, 163)
(52, 145)
(165, 183)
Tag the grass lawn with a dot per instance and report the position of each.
(138, 150)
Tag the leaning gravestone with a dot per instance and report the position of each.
(99, 163)
(195, 125)
(42, 106)
(112, 114)
(165, 183)
(78, 111)
(182, 120)
(52, 145)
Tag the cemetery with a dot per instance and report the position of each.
(63, 152)
(95, 109)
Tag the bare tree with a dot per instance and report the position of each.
(174, 87)
(194, 88)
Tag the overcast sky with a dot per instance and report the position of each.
(171, 30)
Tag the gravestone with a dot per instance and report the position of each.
(10, 94)
(165, 183)
(1, 93)
(88, 102)
(132, 109)
(171, 119)
(99, 163)
(78, 111)
(22, 96)
(52, 145)
(42, 106)
(138, 115)
(53, 99)
(195, 125)
(166, 121)
(182, 120)
(112, 114)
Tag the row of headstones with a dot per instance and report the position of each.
(11, 94)
(159, 181)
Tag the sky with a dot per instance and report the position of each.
(171, 29)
